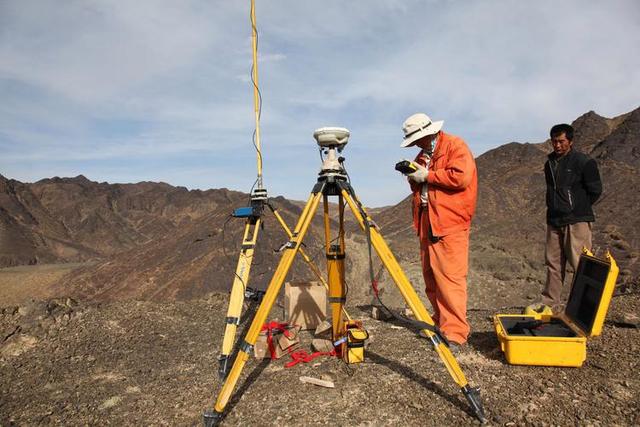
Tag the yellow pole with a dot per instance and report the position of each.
(335, 272)
(256, 93)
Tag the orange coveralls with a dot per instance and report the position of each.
(452, 186)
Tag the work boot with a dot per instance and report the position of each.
(457, 349)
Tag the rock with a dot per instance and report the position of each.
(110, 403)
(322, 345)
(317, 381)
(380, 313)
(631, 319)
(324, 330)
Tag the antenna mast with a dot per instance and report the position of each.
(257, 98)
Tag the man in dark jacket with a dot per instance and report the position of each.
(573, 185)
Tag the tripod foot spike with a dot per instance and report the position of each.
(473, 397)
(211, 418)
(223, 367)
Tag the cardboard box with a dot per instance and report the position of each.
(288, 339)
(561, 340)
(282, 343)
(261, 348)
(305, 304)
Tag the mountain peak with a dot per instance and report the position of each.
(590, 129)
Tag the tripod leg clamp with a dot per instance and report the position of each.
(437, 336)
(246, 347)
(223, 366)
(232, 320)
(211, 418)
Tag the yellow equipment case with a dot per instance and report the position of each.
(353, 350)
(561, 340)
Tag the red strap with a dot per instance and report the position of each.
(304, 357)
(274, 326)
(374, 285)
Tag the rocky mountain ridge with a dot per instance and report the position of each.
(75, 219)
(155, 241)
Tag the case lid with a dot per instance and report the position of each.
(358, 334)
(591, 291)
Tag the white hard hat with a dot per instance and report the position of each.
(418, 126)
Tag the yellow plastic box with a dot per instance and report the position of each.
(562, 340)
(353, 350)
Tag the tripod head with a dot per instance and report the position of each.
(332, 140)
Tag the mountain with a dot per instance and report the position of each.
(510, 220)
(155, 241)
(75, 219)
(193, 261)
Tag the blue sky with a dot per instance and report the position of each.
(160, 91)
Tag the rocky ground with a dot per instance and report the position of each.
(142, 363)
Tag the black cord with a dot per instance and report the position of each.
(346, 285)
(224, 226)
(251, 190)
(224, 252)
(420, 325)
(345, 172)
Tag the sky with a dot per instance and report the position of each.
(160, 90)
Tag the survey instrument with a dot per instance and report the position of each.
(406, 167)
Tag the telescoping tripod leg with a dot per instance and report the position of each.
(238, 288)
(335, 254)
(245, 348)
(411, 297)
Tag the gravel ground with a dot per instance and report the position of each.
(141, 363)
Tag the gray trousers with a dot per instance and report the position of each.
(564, 246)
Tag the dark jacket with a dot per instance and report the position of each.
(573, 185)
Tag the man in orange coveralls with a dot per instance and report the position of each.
(444, 200)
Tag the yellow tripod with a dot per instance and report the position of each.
(253, 215)
(239, 288)
(333, 181)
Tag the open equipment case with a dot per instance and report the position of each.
(561, 340)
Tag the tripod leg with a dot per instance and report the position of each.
(265, 307)
(335, 269)
(411, 297)
(238, 288)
